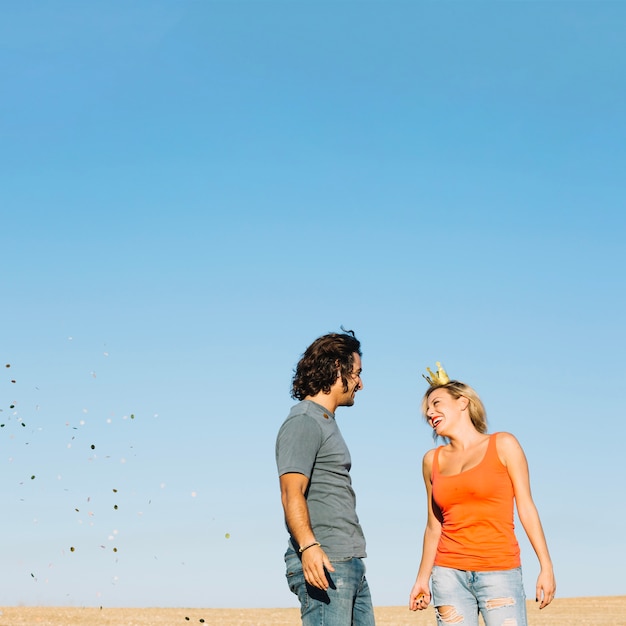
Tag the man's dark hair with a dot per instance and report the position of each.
(317, 369)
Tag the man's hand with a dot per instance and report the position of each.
(315, 563)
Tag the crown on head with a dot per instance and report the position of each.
(437, 378)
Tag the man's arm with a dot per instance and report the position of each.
(292, 489)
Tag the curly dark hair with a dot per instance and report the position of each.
(317, 369)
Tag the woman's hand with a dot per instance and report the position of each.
(420, 596)
(546, 588)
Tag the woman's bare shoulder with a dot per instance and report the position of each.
(508, 447)
(427, 461)
(506, 439)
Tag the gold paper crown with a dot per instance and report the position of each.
(439, 378)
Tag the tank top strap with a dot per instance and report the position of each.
(491, 456)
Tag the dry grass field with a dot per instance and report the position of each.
(598, 611)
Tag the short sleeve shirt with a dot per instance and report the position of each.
(309, 442)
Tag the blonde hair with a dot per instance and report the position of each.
(456, 389)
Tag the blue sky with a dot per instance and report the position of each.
(194, 191)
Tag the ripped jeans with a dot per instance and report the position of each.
(459, 596)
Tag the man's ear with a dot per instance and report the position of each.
(338, 366)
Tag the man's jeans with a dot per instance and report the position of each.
(347, 601)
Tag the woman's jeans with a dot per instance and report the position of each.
(458, 597)
(347, 601)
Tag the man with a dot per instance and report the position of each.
(326, 544)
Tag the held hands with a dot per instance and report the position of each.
(420, 597)
(546, 588)
(314, 563)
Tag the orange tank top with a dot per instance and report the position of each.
(477, 532)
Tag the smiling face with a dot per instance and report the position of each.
(354, 383)
(450, 393)
(443, 410)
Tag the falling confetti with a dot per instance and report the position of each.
(227, 535)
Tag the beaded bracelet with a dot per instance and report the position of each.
(315, 543)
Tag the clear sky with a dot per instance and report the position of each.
(191, 192)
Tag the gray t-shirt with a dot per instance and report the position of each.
(309, 443)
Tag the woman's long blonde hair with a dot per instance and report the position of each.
(456, 389)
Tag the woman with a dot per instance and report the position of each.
(470, 549)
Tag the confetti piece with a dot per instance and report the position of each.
(72, 549)
(132, 416)
(227, 535)
(93, 447)
(8, 365)
(32, 477)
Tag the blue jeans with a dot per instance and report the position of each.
(459, 596)
(347, 601)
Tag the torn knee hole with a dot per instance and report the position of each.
(498, 603)
(449, 614)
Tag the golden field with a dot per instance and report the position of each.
(595, 611)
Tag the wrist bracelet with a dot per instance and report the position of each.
(315, 543)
